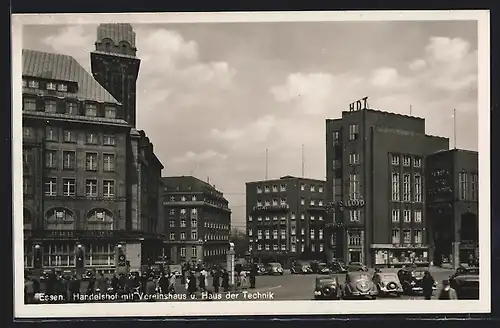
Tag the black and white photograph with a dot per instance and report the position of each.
(251, 163)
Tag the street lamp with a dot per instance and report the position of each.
(37, 246)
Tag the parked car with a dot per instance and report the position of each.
(301, 268)
(337, 267)
(356, 266)
(359, 284)
(320, 268)
(411, 280)
(327, 287)
(389, 284)
(261, 269)
(274, 269)
(44, 275)
(87, 275)
(465, 281)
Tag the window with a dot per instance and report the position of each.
(259, 190)
(194, 251)
(72, 108)
(302, 248)
(29, 104)
(250, 232)
(275, 202)
(25, 83)
(283, 234)
(396, 236)
(110, 112)
(183, 236)
(91, 138)
(417, 188)
(395, 187)
(69, 187)
(259, 234)
(27, 156)
(354, 186)
(417, 216)
(62, 87)
(183, 198)
(395, 159)
(283, 187)
(267, 234)
(172, 212)
(336, 164)
(268, 218)
(406, 188)
(275, 188)
(321, 247)
(313, 248)
(183, 251)
(417, 162)
(275, 234)
(312, 203)
(33, 84)
(172, 236)
(354, 215)
(275, 218)
(407, 215)
(69, 160)
(354, 238)
(312, 234)
(109, 162)
(395, 215)
(259, 247)
(353, 158)
(259, 218)
(406, 237)
(194, 235)
(312, 218)
(336, 138)
(320, 218)
(27, 132)
(302, 187)
(302, 231)
(108, 188)
(293, 231)
(172, 223)
(320, 189)
(283, 247)
(320, 234)
(50, 187)
(91, 161)
(91, 188)
(474, 187)
(320, 203)
(292, 216)
(51, 86)
(406, 160)
(462, 182)
(50, 106)
(51, 134)
(50, 159)
(194, 211)
(194, 200)
(266, 189)
(302, 201)
(417, 236)
(69, 136)
(183, 212)
(259, 203)
(27, 185)
(353, 131)
(283, 201)
(108, 140)
(336, 189)
(183, 223)
(91, 110)
(302, 216)
(313, 188)
(268, 247)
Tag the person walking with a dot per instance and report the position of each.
(172, 283)
(447, 293)
(225, 280)
(192, 284)
(428, 285)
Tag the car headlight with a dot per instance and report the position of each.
(413, 283)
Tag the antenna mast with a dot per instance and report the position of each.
(410, 110)
(454, 128)
(266, 162)
(303, 159)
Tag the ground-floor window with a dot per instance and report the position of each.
(408, 256)
(100, 254)
(59, 254)
(28, 254)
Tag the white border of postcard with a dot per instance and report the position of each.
(258, 307)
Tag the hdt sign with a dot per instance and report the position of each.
(359, 104)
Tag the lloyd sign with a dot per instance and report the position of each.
(351, 203)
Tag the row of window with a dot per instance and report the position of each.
(282, 188)
(395, 160)
(206, 252)
(283, 218)
(183, 198)
(353, 134)
(71, 108)
(68, 160)
(33, 84)
(68, 136)
(283, 247)
(282, 233)
(408, 236)
(68, 187)
(63, 255)
(463, 186)
(194, 236)
(194, 223)
(407, 217)
(407, 188)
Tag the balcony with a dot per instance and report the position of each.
(271, 208)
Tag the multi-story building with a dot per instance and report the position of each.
(286, 219)
(197, 221)
(452, 205)
(375, 181)
(91, 181)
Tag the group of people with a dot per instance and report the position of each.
(197, 280)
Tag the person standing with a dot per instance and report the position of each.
(447, 293)
(192, 284)
(427, 285)
(216, 280)
(172, 283)
(91, 285)
(253, 275)
(102, 285)
(225, 280)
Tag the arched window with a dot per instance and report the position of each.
(59, 218)
(27, 219)
(124, 48)
(99, 219)
(107, 46)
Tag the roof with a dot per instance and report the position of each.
(60, 67)
(116, 32)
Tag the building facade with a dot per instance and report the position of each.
(197, 221)
(286, 219)
(375, 184)
(81, 177)
(452, 205)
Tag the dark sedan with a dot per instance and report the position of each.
(274, 269)
(359, 285)
(301, 268)
(327, 288)
(357, 266)
(411, 280)
(465, 281)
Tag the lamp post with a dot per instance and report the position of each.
(230, 263)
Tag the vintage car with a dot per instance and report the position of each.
(44, 275)
(388, 284)
(337, 267)
(359, 284)
(274, 269)
(301, 268)
(320, 268)
(411, 280)
(356, 266)
(465, 281)
(327, 287)
(87, 275)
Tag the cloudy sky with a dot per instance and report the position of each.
(213, 97)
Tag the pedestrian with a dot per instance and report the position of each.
(225, 280)
(91, 285)
(36, 286)
(427, 285)
(252, 275)
(74, 288)
(102, 285)
(114, 283)
(172, 283)
(216, 280)
(163, 283)
(150, 287)
(203, 279)
(192, 284)
(447, 293)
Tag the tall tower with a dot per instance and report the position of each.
(116, 67)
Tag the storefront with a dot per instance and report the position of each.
(396, 255)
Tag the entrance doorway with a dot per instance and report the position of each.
(354, 256)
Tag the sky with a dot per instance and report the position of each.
(213, 97)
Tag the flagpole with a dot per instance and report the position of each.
(266, 162)
(303, 164)
(454, 128)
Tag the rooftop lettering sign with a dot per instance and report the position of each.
(359, 104)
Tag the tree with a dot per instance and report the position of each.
(240, 240)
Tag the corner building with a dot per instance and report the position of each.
(198, 221)
(452, 205)
(375, 182)
(286, 219)
(91, 181)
